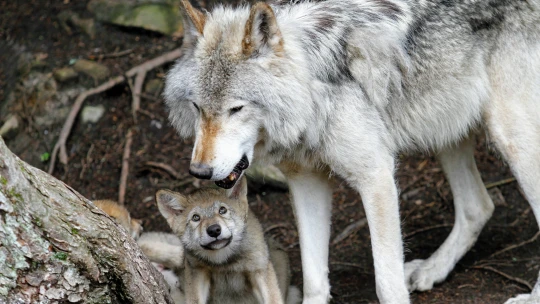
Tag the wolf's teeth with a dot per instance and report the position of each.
(232, 176)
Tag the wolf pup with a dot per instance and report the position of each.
(121, 215)
(227, 259)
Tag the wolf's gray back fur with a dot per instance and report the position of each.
(411, 61)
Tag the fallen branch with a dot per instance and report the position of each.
(517, 245)
(352, 228)
(427, 229)
(501, 182)
(509, 277)
(166, 168)
(136, 93)
(276, 226)
(125, 168)
(60, 145)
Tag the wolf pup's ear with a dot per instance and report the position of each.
(194, 21)
(239, 191)
(171, 204)
(262, 34)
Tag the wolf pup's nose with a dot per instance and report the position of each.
(214, 230)
(201, 171)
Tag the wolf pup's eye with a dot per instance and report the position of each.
(235, 110)
(222, 210)
(196, 218)
(196, 107)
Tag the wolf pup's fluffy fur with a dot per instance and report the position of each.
(227, 259)
(121, 215)
(342, 87)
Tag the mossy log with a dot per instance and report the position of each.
(57, 247)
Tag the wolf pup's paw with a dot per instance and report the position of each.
(419, 275)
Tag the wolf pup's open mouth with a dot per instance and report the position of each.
(218, 244)
(230, 180)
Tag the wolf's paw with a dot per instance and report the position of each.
(319, 299)
(524, 299)
(419, 275)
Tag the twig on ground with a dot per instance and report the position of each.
(60, 145)
(275, 226)
(501, 182)
(509, 277)
(125, 168)
(116, 54)
(166, 168)
(516, 221)
(517, 245)
(347, 264)
(427, 229)
(136, 93)
(150, 97)
(149, 114)
(350, 229)
(86, 161)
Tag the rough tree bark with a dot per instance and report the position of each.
(57, 247)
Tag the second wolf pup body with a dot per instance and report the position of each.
(227, 259)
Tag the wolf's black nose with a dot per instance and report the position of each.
(201, 171)
(214, 230)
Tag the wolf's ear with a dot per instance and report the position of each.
(171, 204)
(239, 191)
(262, 34)
(194, 27)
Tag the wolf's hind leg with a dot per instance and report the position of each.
(513, 118)
(473, 208)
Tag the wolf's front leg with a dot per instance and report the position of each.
(380, 199)
(197, 285)
(312, 204)
(266, 286)
(371, 172)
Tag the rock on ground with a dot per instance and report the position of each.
(92, 114)
(93, 69)
(161, 16)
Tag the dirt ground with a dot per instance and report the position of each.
(95, 156)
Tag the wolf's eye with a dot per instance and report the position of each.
(196, 218)
(222, 210)
(235, 110)
(196, 107)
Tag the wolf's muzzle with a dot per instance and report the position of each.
(201, 171)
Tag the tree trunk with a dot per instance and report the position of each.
(57, 247)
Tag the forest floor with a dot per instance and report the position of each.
(95, 159)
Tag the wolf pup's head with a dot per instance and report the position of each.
(233, 88)
(210, 222)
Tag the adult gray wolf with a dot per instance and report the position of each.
(340, 87)
(226, 257)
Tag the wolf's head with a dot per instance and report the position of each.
(234, 68)
(210, 222)
(255, 81)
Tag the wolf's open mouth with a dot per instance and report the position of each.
(218, 244)
(230, 181)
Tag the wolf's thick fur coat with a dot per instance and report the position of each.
(340, 87)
